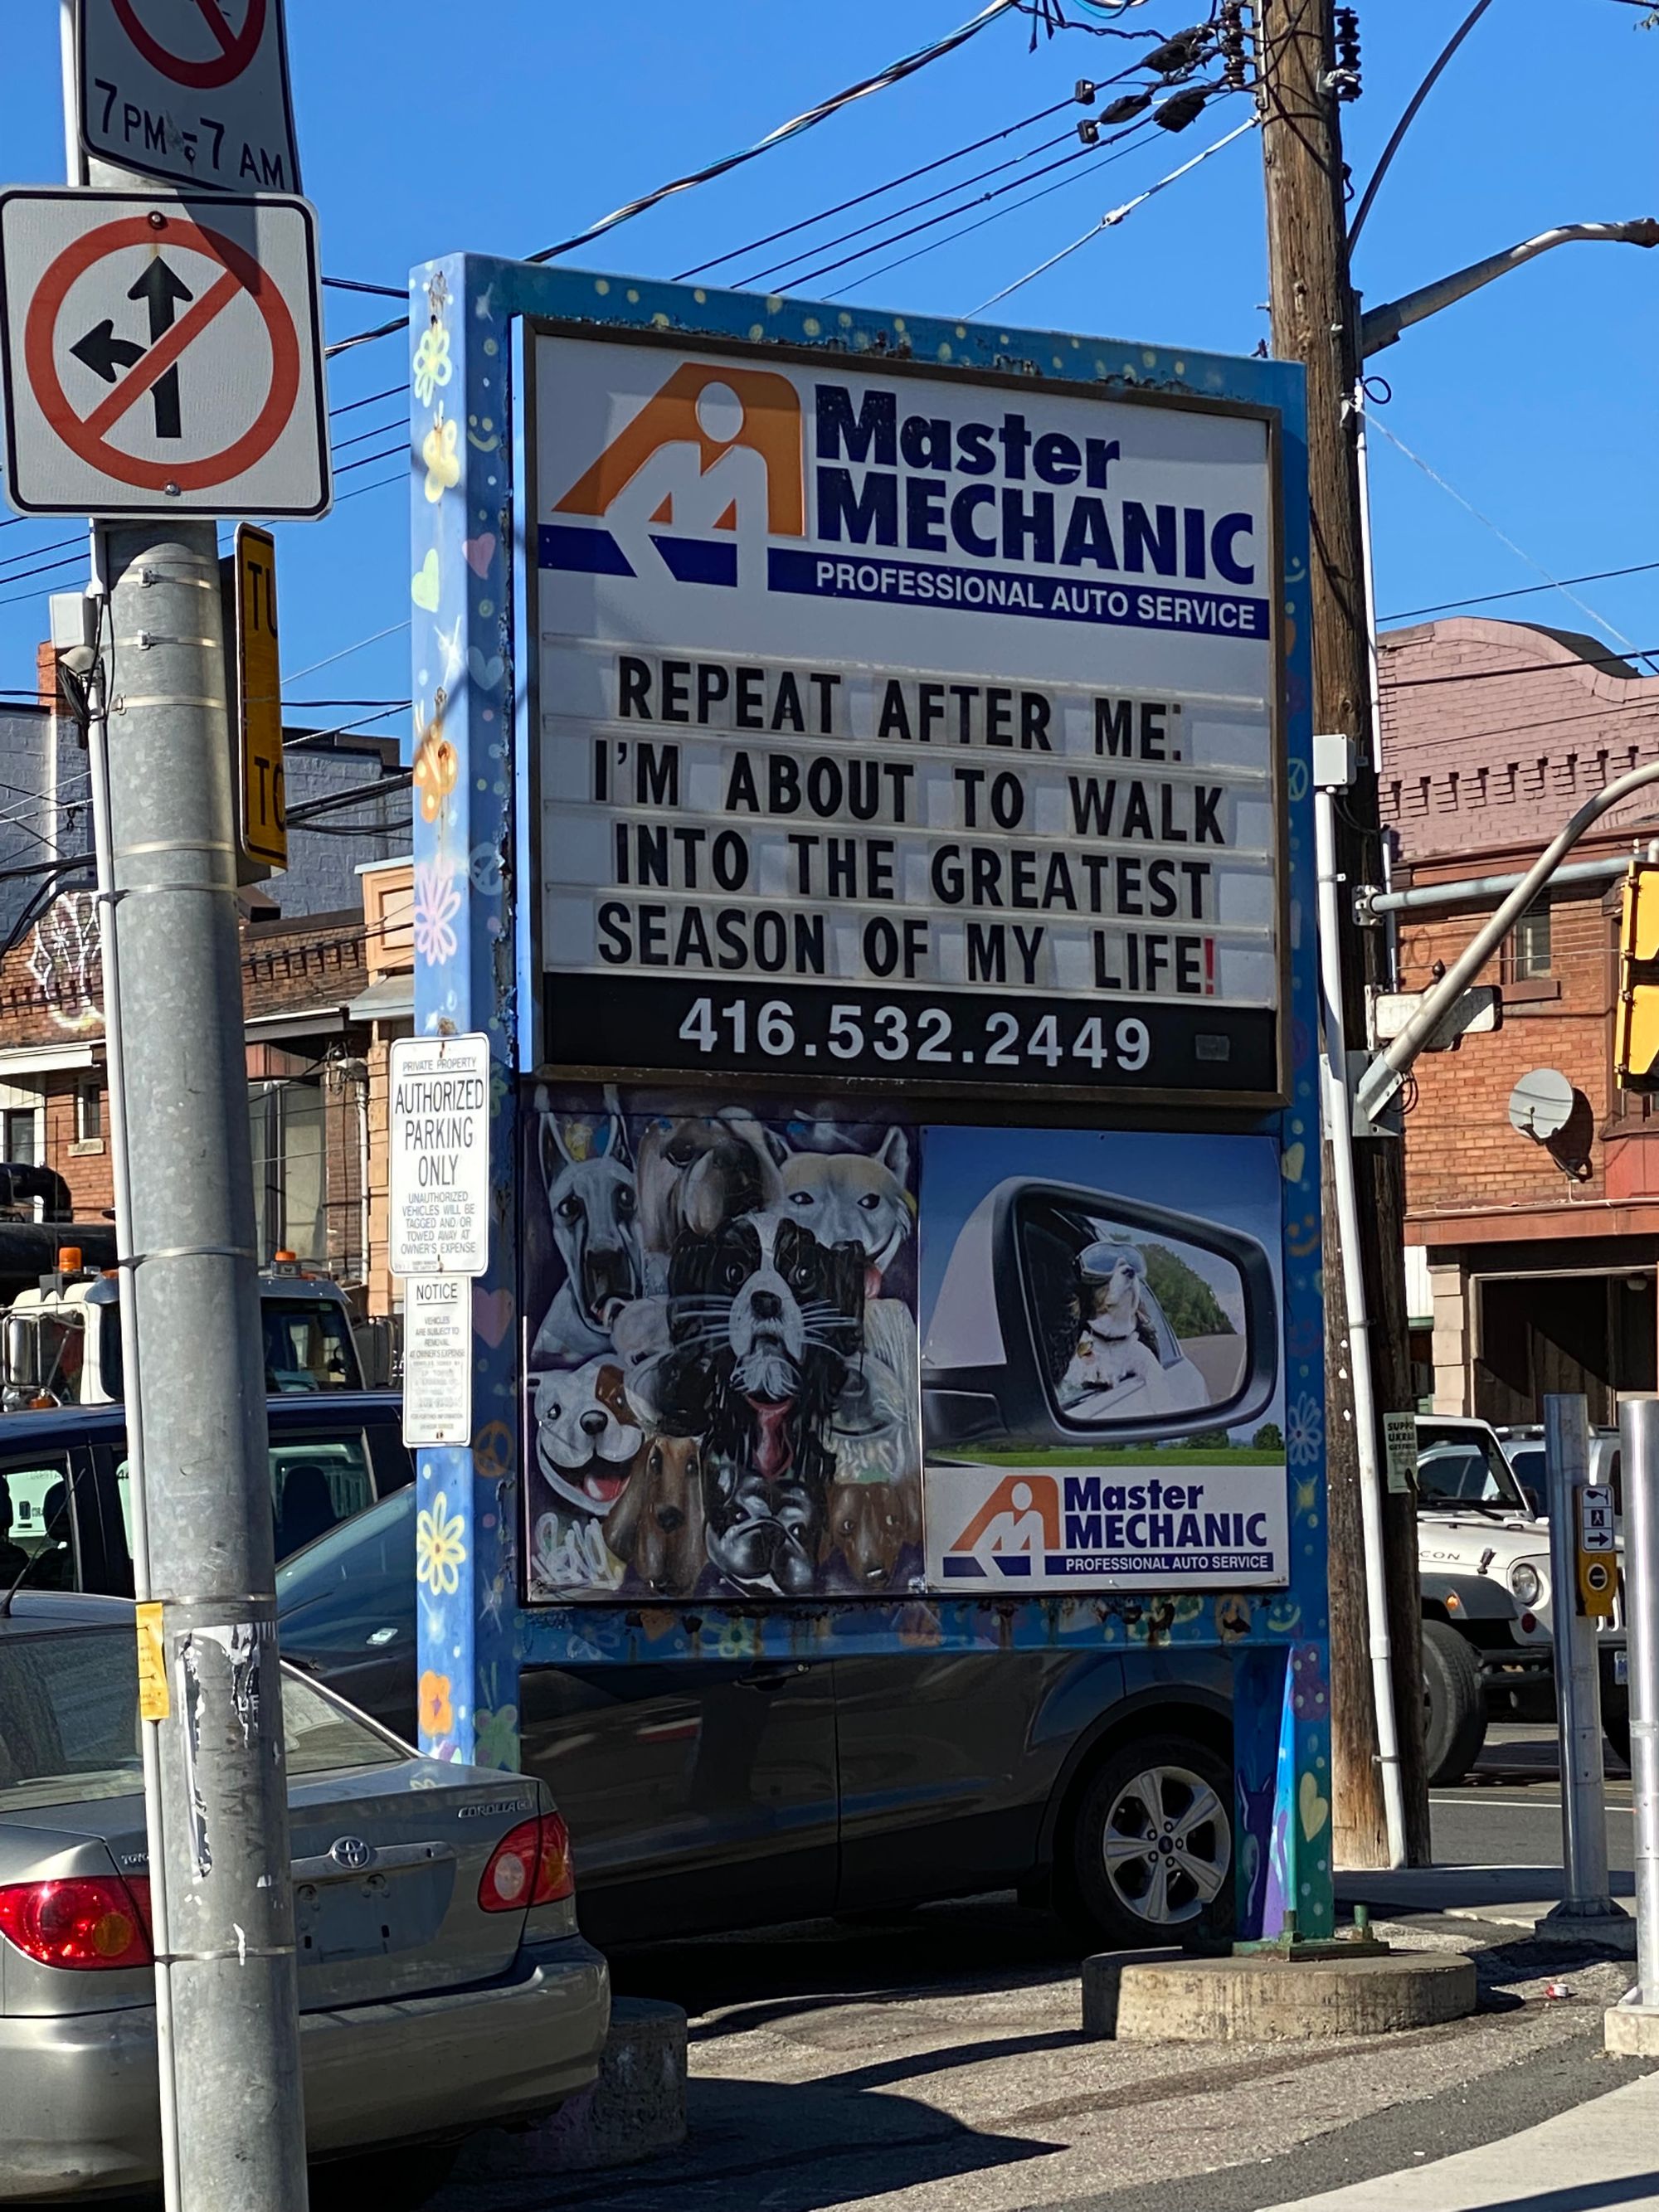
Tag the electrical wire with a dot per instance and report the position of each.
(1434, 476)
(1522, 591)
(894, 73)
(875, 192)
(1114, 216)
(346, 651)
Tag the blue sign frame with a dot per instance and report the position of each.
(473, 687)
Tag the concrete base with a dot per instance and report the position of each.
(1613, 1930)
(635, 2110)
(1271, 2000)
(1631, 2030)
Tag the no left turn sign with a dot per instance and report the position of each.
(161, 355)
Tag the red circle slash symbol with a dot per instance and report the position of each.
(236, 48)
(87, 435)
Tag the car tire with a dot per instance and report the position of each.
(1615, 1721)
(1455, 1704)
(1149, 1851)
(390, 2180)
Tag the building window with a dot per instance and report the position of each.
(287, 1126)
(1527, 954)
(18, 1129)
(89, 1112)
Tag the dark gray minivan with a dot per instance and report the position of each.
(709, 1794)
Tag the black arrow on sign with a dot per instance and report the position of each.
(101, 350)
(161, 290)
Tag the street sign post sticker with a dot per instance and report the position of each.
(162, 355)
(438, 1361)
(439, 1159)
(196, 91)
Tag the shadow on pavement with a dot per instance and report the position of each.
(1586, 2195)
(800, 2147)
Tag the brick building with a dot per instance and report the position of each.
(1536, 1259)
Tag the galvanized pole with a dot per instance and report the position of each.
(1638, 1422)
(191, 1276)
(1586, 1895)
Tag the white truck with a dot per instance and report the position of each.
(63, 1339)
(1483, 1558)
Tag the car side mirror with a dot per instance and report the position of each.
(1068, 1314)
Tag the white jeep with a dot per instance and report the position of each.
(1483, 1560)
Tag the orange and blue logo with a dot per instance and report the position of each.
(1012, 1532)
(714, 441)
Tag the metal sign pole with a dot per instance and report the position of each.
(1586, 1896)
(1638, 1423)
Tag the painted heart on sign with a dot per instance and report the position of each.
(480, 552)
(492, 1315)
(424, 585)
(1314, 1806)
(486, 674)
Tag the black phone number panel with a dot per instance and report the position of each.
(968, 1039)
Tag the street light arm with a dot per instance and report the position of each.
(1381, 327)
(1388, 1072)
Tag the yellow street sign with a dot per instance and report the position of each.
(263, 820)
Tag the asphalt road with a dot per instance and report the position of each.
(1509, 1812)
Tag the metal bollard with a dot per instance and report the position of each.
(1587, 1911)
(1639, 1426)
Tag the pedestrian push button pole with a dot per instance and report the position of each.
(1581, 1581)
(1633, 2026)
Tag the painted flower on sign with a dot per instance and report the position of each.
(443, 463)
(437, 901)
(433, 365)
(439, 1548)
(1305, 1438)
(437, 1713)
(497, 1735)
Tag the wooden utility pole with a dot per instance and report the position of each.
(1315, 321)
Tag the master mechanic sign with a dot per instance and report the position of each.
(906, 727)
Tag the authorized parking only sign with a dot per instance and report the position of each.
(439, 1156)
(162, 355)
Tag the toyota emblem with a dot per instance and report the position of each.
(351, 1851)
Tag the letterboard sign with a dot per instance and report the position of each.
(919, 726)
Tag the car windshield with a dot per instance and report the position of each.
(1464, 1467)
(308, 1346)
(69, 1725)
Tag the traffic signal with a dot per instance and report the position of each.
(1636, 1038)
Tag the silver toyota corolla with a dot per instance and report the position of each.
(442, 1982)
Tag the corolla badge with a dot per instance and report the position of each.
(351, 1851)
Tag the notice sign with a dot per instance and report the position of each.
(439, 1156)
(438, 1361)
(904, 727)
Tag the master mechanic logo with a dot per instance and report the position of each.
(716, 444)
(1016, 1526)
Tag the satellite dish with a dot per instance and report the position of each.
(1540, 1105)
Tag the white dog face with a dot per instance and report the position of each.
(848, 1198)
(586, 1439)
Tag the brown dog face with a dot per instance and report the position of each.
(698, 1173)
(870, 1524)
(658, 1526)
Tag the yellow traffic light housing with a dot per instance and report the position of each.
(1636, 1038)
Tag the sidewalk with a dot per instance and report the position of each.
(938, 2066)
(1602, 2154)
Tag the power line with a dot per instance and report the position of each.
(893, 73)
(1115, 216)
(875, 192)
(1468, 506)
(1522, 591)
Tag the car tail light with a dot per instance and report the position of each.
(87, 1923)
(530, 1865)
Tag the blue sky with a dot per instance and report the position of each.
(425, 127)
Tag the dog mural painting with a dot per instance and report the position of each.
(722, 1391)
